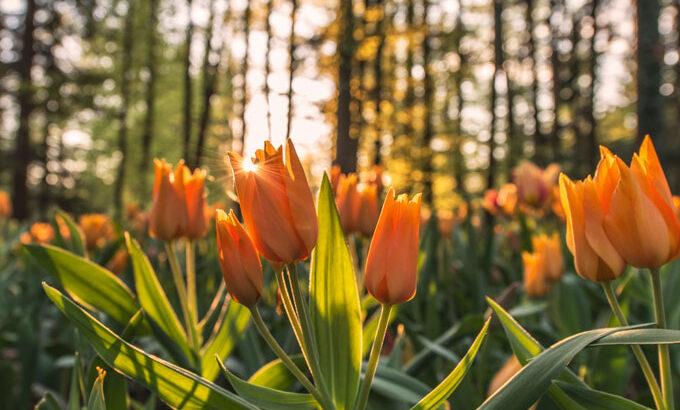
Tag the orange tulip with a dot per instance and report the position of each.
(5, 205)
(595, 257)
(348, 202)
(369, 209)
(529, 180)
(535, 283)
(118, 262)
(39, 232)
(640, 218)
(548, 248)
(194, 194)
(277, 204)
(676, 204)
(376, 177)
(509, 369)
(168, 219)
(240, 264)
(336, 173)
(490, 201)
(97, 229)
(392, 261)
(507, 199)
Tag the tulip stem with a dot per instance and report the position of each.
(664, 354)
(290, 310)
(192, 304)
(285, 359)
(637, 350)
(181, 291)
(303, 315)
(372, 366)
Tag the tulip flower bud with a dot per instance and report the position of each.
(392, 261)
(369, 209)
(548, 248)
(640, 216)
(277, 204)
(535, 284)
(5, 205)
(97, 229)
(595, 258)
(507, 199)
(168, 219)
(240, 264)
(336, 173)
(194, 194)
(348, 202)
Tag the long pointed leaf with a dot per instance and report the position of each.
(449, 384)
(335, 309)
(598, 400)
(178, 387)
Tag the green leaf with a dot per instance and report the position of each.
(531, 382)
(397, 385)
(226, 335)
(335, 309)
(266, 397)
(96, 400)
(89, 284)
(641, 337)
(449, 384)
(75, 243)
(178, 387)
(276, 375)
(48, 402)
(153, 299)
(598, 400)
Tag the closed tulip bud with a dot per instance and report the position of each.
(5, 205)
(529, 180)
(336, 173)
(97, 229)
(240, 264)
(640, 216)
(595, 257)
(548, 247)
(168, 219)
(194, 194)
(277, 204)
(392, 261)
(507, 199)
(490, 201)
(348, 202)
(40, 232)
(535, 283)
(369, 209)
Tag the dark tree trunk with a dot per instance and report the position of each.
(428, 97)
(589, 106)
(209, 87)
(539, 138)
(267, 69)
(458, 159)
(22, 153)
(346, 146)
(650, 53)
(147, 133)
(291, 70)
(498, 67)
(377, 91)
(187, 85)
(123, 109)
(556, 84)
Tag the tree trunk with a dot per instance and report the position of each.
(556, 84)
(498, 67)
(458, 159)
(428, 97)
(209, 86)
(22, 153)
(123, 109)
(377, 72)
(267, 69)
(147, 133)
(244, 72)
(291, 70)
(589, 108)
(539, 138)
(346, 147)
(187, 85)
(650, 107)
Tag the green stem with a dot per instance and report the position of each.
(664, 354)
(285, 359)
(637, 350)
(374, 357)
(181, 291)
(192, 303)
(303, 316)
(290, 310)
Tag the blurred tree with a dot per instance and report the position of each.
(148, 130)
(649, 57)
(267, 68)
(291, 67)
(346, 146)
(188, 96)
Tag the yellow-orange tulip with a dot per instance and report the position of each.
(97, 229)
(548, 248)
(194, 194)
(507, 198)
(168, 219)
(535, 280)
(490, 201)
(348, 202)
(640, 218)
(240, 264)
(595, 257)
(277, 204)
(369, 209)
(529, 180)
(391, 265)
(5, 205)
(39, 232)
(509, 369)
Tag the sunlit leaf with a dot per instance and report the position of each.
(276, 375)
(96, 400)
(75, 243)
(598, 400)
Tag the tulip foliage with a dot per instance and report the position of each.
(337, 303)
